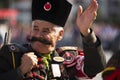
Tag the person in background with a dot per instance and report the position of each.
(116, 43)
(40, 59)
(112, 69)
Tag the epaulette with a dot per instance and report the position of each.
(69, 53)
(68, 48)
(16, 48)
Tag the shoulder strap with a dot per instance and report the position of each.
(17, 48)
(66, 48)
(14, 48)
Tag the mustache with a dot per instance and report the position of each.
(42, 40)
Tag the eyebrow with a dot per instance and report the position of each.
(49, 29)
(45, 28)
(35, 26)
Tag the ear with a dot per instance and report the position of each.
(60, 35)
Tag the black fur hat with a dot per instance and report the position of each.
(54, 11)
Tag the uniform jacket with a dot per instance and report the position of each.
(78, 64)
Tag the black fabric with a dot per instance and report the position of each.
(96, 59)
(57, 14)
(114, 61)
(6, 60)
(91, 68)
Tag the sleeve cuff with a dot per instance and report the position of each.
(20, 73)
(91, 39)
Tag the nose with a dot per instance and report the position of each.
(39, 34)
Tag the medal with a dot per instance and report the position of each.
(56, 70)
(58, 59)
(12, 47)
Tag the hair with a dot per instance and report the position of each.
(57, 27)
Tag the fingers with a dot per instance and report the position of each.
(93, 5)
(28, 61)
(92, 9)
(85, 19)
(30, 58)
(94, 14)
(80, 10)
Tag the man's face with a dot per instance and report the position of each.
(45, 36)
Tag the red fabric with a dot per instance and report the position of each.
(80, 64)
(10, 14)
(76, 61)
(114, 76)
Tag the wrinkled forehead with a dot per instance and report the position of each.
(45, 24)
(42, 22)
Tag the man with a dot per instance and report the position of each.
(40, 60)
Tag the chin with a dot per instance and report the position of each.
(46, 51)
(51, 49)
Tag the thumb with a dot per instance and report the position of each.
(80, 10)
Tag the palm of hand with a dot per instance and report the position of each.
(85, 19)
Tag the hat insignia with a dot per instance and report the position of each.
(47, 6)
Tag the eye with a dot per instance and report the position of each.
(35, 28)
(46, 30)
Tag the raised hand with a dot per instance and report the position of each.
(85, 19)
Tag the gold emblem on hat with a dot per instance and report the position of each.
(47, 6)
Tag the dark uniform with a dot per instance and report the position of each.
(112, 69)
(92, 59)
(73, 64)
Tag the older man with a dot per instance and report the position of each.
(40, 59)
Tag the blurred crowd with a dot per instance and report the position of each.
(109, 35)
